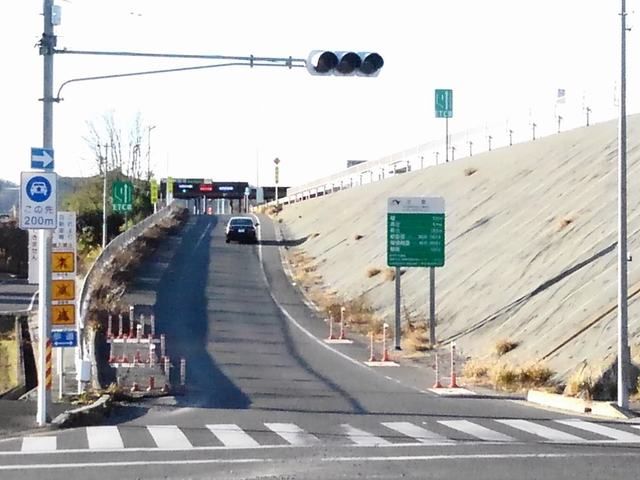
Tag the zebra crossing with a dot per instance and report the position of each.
(377, 434)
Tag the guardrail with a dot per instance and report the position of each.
(114, 246)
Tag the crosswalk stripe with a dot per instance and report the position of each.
(232, 435)
(422, 435)
(39, 444)
(542, 431)
(293, 434)
(475, 430)
(360, 437)
(169, 436)
(104, 438)
(603, 430)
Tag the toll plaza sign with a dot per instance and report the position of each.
(415, 232)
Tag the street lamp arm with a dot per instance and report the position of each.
(170, 70)
(250, 58)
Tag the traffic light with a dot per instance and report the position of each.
(324, 62)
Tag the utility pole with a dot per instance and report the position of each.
(149, 151)
(436, 154)
(559, 122)
(104, 193)
(276, 161)
(47, 46)
(623, 342)
(453, 152)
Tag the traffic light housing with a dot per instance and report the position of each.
(326, 62)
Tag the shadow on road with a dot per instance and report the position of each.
(181, 313)
(283, 243)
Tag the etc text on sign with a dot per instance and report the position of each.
(415, 232)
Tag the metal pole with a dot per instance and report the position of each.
(623, 344)
(60, 352)
(44, 239)
(446, 139)
(104, 200)
(432, 306)
(398, 333)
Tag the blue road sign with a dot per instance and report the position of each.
(42, 158)
(64, 338)
(38, 189)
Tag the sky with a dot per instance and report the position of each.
(505, 61)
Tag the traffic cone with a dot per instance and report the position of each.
(134, 387)
(152, 384)
(437, 384)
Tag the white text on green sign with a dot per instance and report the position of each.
(444, 103)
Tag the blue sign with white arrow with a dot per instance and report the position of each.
(42, 158)
(64, 338)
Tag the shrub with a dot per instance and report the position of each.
(373, 271)
(505, 346)
(470, 171)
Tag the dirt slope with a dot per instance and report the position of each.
(531, 246)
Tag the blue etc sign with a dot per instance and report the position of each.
(64, 338)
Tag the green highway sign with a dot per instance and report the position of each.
(415, 232)
(444, 103)
(122, 196)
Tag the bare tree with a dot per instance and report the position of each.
(105, 140)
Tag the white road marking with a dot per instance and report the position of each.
(232, 436)
(363, 438)
(542, 431)
(619, 435)
(475, 430)
(451, 391)
(169, 436)
(293, 434)
(104, 438)
(39, 444)
(444, 458)
(420, 434)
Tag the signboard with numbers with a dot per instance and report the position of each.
(444, 103)
(415, 232)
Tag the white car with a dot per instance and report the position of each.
(39, 188)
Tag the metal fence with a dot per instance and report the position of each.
(115, 246)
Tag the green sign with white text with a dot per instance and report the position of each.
(444, 103)
(122, 196)
(415, 232)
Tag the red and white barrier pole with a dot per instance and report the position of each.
(163, 346)
(385, 352)
(112, 359)
(453, 383)
(132, 321)
(152, 383)
(153, 326)
(141, 322)
(139, 333)
(183, 372)
(331, 337)
(152, 354)
(109, 332)
(124, 358)
(437, 384)
(136, 358)
(342, 332)
(372, 356)
(120, 326)
(167, 367)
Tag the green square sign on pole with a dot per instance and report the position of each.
(444, 103)
(122, 196)
(415, 232)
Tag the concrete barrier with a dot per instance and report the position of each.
(578, 405)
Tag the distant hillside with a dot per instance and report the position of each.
(9, 191)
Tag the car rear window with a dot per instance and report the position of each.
(242, 222)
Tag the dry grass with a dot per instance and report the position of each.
(504, 346)
(373, 271)
(581, 384)
(415, 335)
(504, 376)
(390, 274)
(564, 223)
(470, 171)
(8, 363)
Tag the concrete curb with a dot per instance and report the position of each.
(83, 416)
(579, 405)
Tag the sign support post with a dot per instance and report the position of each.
(432, 306)
(398, 325)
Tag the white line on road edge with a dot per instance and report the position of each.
(456, 458)
(288, 315)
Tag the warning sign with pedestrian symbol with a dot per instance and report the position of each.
(63, 262)
(63, 290)
(63, 315)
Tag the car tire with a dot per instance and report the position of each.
(227, 240)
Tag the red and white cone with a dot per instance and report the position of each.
(437, 384)
(453, 383)
(331, 336)
(135, 387)
(372, 356)
(342, 327)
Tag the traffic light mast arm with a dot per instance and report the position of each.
(181, 69)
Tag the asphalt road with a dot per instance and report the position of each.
(15, 294)
(268, 398)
